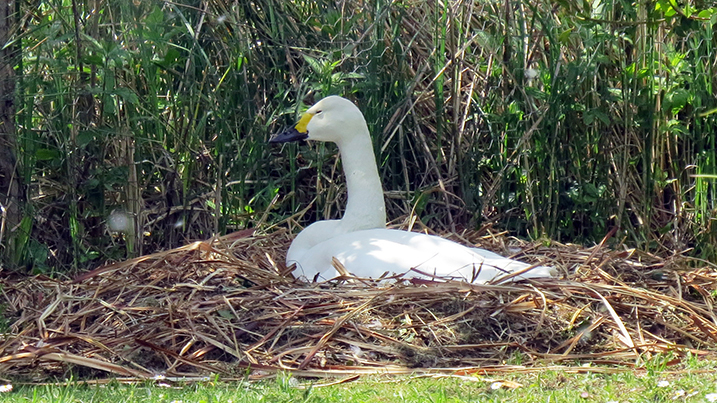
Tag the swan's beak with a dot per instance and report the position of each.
(296, 133)
(289, 136)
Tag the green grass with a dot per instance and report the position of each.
(693, 383)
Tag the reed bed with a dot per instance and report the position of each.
(227, 306)
(555, 119)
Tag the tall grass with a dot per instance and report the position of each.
(549, 119)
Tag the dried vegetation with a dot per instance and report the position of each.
(224, 306)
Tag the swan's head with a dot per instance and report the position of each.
(333, 119)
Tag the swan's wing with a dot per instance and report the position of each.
(373, 253)
(314, 234)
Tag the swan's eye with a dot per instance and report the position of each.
(317, 112)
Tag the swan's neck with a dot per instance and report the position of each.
(365, 208)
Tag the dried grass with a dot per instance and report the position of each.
(226, 307)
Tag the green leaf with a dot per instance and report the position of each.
(313, 63)
(604, 118)
(706, 14)
(226, 314)
(126, 94)
(85, 137)
(155, 17)
(588, 118)
(171, 56)
(353, 75)
(94, 59)
(38, 252)
(47, 154)
(565, 35)
(676, 100)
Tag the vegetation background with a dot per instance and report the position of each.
(557, 119)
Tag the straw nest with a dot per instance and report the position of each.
(227, 307)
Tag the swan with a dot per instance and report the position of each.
(360, 241)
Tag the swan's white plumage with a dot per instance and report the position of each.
(377, 252)
(359, 240)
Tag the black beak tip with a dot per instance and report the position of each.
(288, 136)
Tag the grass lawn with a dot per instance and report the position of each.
(695, 381)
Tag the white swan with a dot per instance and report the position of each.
(360, 240)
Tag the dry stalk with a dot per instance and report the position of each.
(223, 306)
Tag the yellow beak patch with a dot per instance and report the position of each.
(303, 122)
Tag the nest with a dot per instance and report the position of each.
(228, 307)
